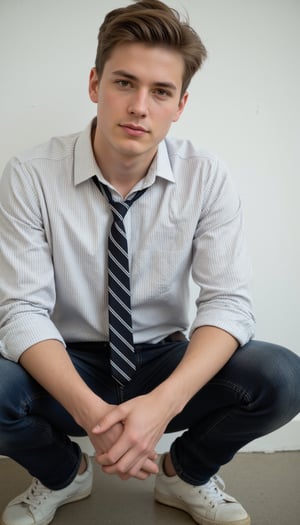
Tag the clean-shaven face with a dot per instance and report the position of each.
(138, 98)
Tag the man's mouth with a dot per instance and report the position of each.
(133, 129)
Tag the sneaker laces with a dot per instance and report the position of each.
(219, 481)
(213, 491)
(36, 494)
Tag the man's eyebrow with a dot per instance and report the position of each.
(125, 74)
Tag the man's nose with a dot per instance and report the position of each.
(139, 104)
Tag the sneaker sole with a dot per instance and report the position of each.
(170, 502)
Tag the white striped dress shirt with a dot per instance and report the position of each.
(54, 224)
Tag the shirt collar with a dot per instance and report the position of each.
(85, 165)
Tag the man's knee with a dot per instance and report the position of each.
(16, 387)
(276, 373)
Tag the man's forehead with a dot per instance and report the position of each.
(136, 58)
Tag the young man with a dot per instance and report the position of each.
(92, 340)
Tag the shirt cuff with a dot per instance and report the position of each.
(20, 336)
(242, 329)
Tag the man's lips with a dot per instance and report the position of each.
(133, 129)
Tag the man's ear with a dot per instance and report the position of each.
(93, 85)
(181, 106)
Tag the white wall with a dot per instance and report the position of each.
(244, 105)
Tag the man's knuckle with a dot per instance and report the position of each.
(110, 458)
(142, 447)
(133, 439)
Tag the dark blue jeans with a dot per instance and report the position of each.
(256, 392)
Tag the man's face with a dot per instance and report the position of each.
(138, 98)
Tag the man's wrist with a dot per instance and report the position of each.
(88, 410)
(166, 398)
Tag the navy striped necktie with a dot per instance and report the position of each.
(122, 354)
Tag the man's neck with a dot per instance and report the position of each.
(122, 172)
(122, 176)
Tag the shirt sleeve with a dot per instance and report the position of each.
(221, 265)
(27, 286)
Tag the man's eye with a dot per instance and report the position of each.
(162, 93)
(122, 83)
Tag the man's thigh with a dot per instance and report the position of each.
(255, 371)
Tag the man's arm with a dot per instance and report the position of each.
(145, 418)
(50, 365)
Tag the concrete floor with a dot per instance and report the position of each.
(268, 485)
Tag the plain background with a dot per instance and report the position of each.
(244, 105)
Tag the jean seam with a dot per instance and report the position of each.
(243, 394)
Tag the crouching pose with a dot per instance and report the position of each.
(100, 232)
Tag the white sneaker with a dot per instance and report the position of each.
(207, 504)
(38, 504)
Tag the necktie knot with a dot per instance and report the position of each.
(118, 208)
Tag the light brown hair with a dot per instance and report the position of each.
(152, 23)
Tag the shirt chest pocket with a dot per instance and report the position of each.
(156, 273)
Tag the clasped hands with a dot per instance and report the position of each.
(125, 437)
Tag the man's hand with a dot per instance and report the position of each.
(144, 421)
(105, 440)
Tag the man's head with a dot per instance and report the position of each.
(151, 23)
